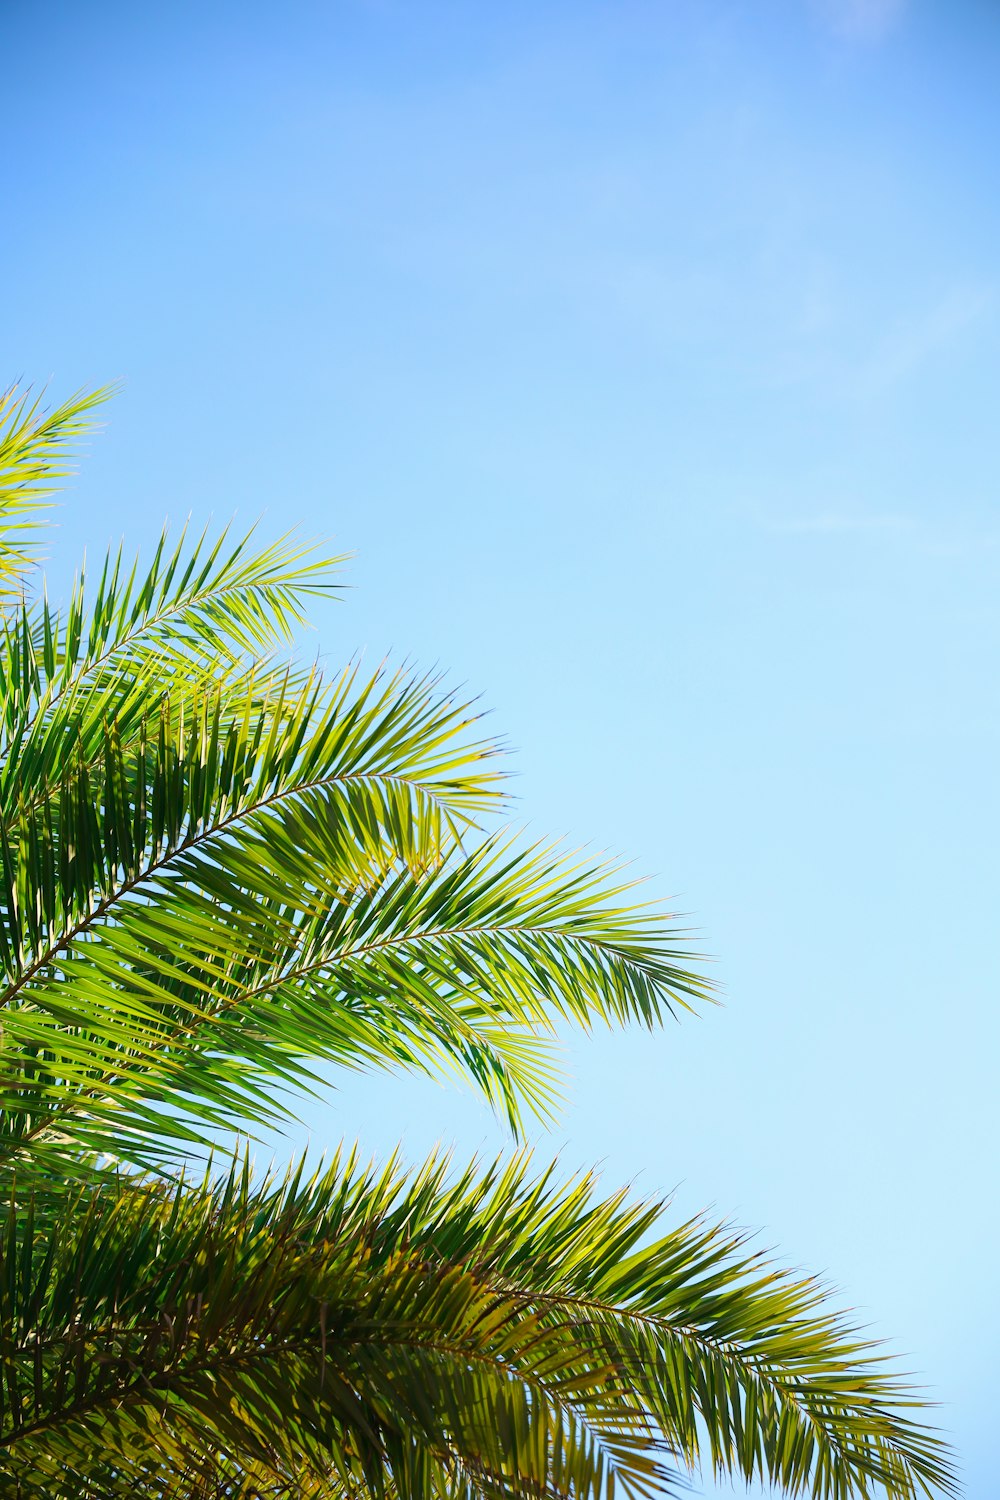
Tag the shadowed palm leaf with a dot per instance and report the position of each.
(479, 1333)
(219, 873)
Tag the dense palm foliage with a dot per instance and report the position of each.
(219, 874)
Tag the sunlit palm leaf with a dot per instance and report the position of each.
(34, 448)
(198, 616)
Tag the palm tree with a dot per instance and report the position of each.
(221, 872)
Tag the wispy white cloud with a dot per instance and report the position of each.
(861, 20)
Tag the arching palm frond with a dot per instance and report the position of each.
(229, 967)
(477, 1334)
(198, 616)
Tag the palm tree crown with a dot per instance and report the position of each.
(221, 872)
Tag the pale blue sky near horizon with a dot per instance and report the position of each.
(646, 356)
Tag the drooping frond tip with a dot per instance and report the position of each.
(35, 450)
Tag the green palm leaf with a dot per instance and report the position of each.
(33, 449)
(373, 1333)
(197, 617)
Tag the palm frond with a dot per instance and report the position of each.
(34, 449)
(221, 977)
(486, 1334)
(198, 615)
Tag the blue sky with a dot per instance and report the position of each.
(646, 355)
